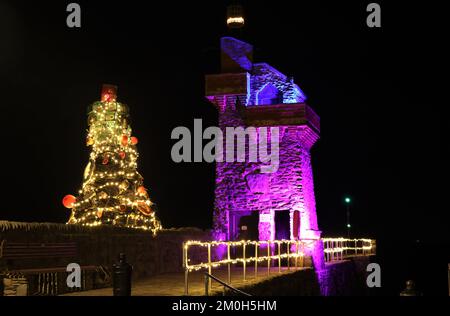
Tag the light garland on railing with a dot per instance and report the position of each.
(242, 242)
(346, 239)
(215, 264)
(339, 247)
(335, 252)
(335, 248)
(342, 240)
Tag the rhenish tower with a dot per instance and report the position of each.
(250, 204)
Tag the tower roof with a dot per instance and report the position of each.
(236, 55)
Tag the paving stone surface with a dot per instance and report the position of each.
(173, 284)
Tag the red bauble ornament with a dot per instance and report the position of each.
(69, 200)
(144, 208)
(109, 93)
(122, 208)
(105, 160)
(124, 140)
(122, 155)
(133, 140)
(142, 190)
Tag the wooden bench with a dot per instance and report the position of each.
(24, 251)
(48, 279)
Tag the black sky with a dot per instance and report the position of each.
(381, 136)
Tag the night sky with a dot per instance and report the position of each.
(380, 141)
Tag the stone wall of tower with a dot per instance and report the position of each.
(241, 187)
(309, 228)
(227, 183)
(263, 74)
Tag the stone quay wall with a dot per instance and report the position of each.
(341, 278)
(100, 246)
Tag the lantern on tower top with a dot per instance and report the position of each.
(109, 93)
(235, 16)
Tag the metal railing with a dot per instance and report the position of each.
(225, 285)
(293, 249)
(250, 253)
(336, 249)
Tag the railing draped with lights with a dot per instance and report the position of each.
(254, 252)
(251, 252)
(341, 248)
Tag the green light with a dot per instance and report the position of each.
(348, 225)
(347, 200)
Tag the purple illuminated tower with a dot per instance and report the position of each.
(250, 204)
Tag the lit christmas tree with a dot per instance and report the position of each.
(112, 192)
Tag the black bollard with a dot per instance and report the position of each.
(410, 289)
(122, 277)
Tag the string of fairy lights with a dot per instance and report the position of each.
(340, 244)
(297, 253)
(112, 191)
(335, 244)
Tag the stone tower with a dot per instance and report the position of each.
(250, 204)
